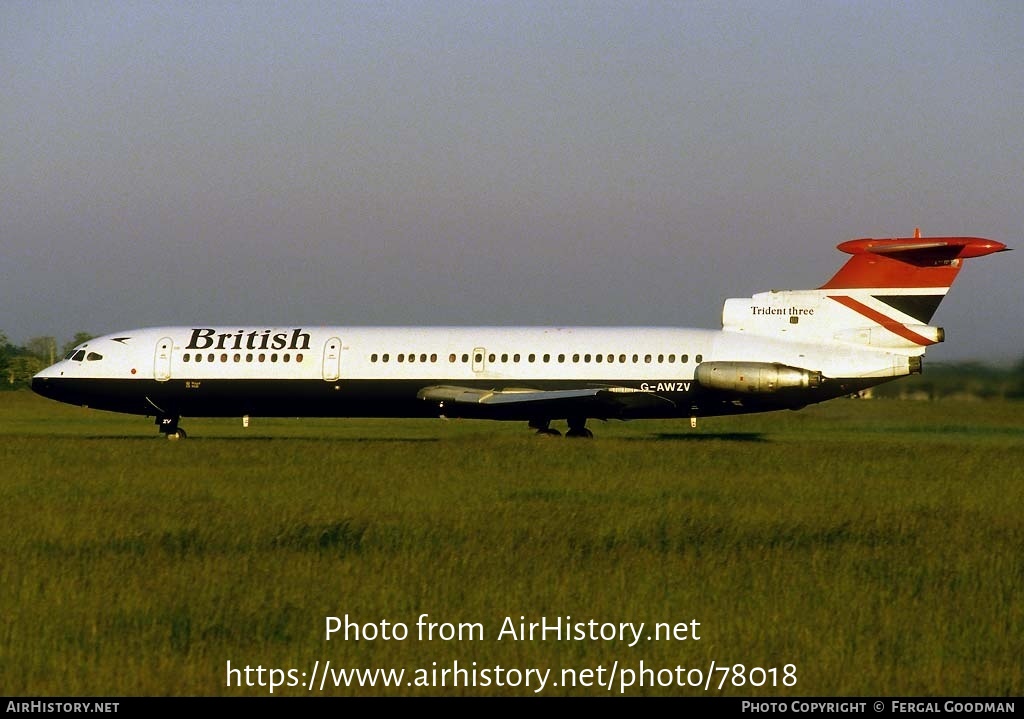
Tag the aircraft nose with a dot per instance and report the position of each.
(41, 385)
(43, 381)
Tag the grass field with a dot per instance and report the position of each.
(876, 546)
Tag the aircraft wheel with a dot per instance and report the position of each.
(543, 427)
(179, 433)
(578, 428)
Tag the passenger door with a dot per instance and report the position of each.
(162, 359)
(332, 360)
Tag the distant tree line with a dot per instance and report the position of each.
(19, 363)
(958, 380)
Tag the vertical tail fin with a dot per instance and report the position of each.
(882, 298)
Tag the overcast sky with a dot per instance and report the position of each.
(555, 163)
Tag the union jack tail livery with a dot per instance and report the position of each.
(883, 297)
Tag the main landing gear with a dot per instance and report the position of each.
(169, 427)
(543, 427)
(577, 428)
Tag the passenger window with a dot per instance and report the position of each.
(248, 357)
(622, 359)
(599, 358)
(699, 358)
(531, 358)
(211, 357)
(298, 357)
(490, 357)
(647, 358)
(184, 357)
(451, 357)
(433, 358)
(237, 357)
(386, 357)
(684, 359)
(547, 358)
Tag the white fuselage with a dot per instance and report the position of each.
(528, 372)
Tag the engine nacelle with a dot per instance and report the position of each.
(754, 377)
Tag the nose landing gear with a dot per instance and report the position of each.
(168, 426)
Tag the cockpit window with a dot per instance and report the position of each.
(69, 354)
(78, 356)
(93, 357)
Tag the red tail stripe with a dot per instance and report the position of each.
(886, 322)
(907, 261)
(870, 270)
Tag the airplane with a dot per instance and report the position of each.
(781, 349)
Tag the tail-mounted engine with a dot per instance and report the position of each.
(754, 377)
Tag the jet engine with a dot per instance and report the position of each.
(754, 377)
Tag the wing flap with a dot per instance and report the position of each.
(592, 401)
(475, 395)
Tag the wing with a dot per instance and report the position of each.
(527, 402)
